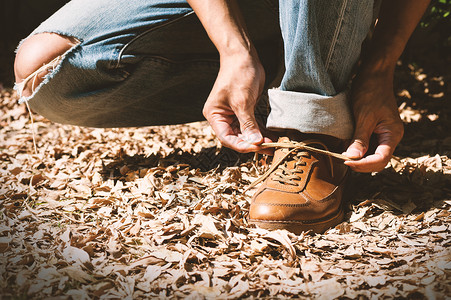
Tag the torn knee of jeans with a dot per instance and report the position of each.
(27, 87)
(32, 78)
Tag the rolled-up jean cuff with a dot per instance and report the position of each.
(311, 113)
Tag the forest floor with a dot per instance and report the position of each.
(160, 212)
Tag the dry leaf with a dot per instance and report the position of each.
(159, 212)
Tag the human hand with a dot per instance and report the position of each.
(230, 106)
(375, 111)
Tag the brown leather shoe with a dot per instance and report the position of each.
(303, 191)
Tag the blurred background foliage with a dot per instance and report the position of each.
(438, 13)
(430, 45)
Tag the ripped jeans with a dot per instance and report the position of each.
(142, 63)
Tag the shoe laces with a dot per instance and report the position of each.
(287, 175)
(296, 151)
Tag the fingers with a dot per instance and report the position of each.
(226, 132)
(360, 142)
(376, 112)
(374, 162)
(267, 151)
(388, 139)
(235, 126)
(357, 149)
(230, 106)
(249, 127)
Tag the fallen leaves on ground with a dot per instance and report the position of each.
(156, 212)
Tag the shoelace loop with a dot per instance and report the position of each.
(287, 175)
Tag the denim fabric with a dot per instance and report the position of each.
(322, 40)
(140, 63)
(150, 62)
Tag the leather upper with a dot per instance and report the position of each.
(310, 191)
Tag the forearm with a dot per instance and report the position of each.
(373, 100)
(225, 26)
(230, 105)
(397, 20)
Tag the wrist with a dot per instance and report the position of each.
(240, 58)
(241, 50)
(378, 61)
(377, 74)
(381, 68)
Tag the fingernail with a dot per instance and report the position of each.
(353, 153)
(253, 138)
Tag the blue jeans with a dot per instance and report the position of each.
(141, 63)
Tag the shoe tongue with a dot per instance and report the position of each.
(281, 151)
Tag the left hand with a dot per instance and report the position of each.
(375, 111)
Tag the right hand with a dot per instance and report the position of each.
(230, 106)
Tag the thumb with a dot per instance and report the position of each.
(250, 130)
(360, 143)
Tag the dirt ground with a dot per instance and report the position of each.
(160, 212)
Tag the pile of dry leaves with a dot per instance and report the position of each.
(155, 212)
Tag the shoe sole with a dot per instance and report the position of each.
(297, 227)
